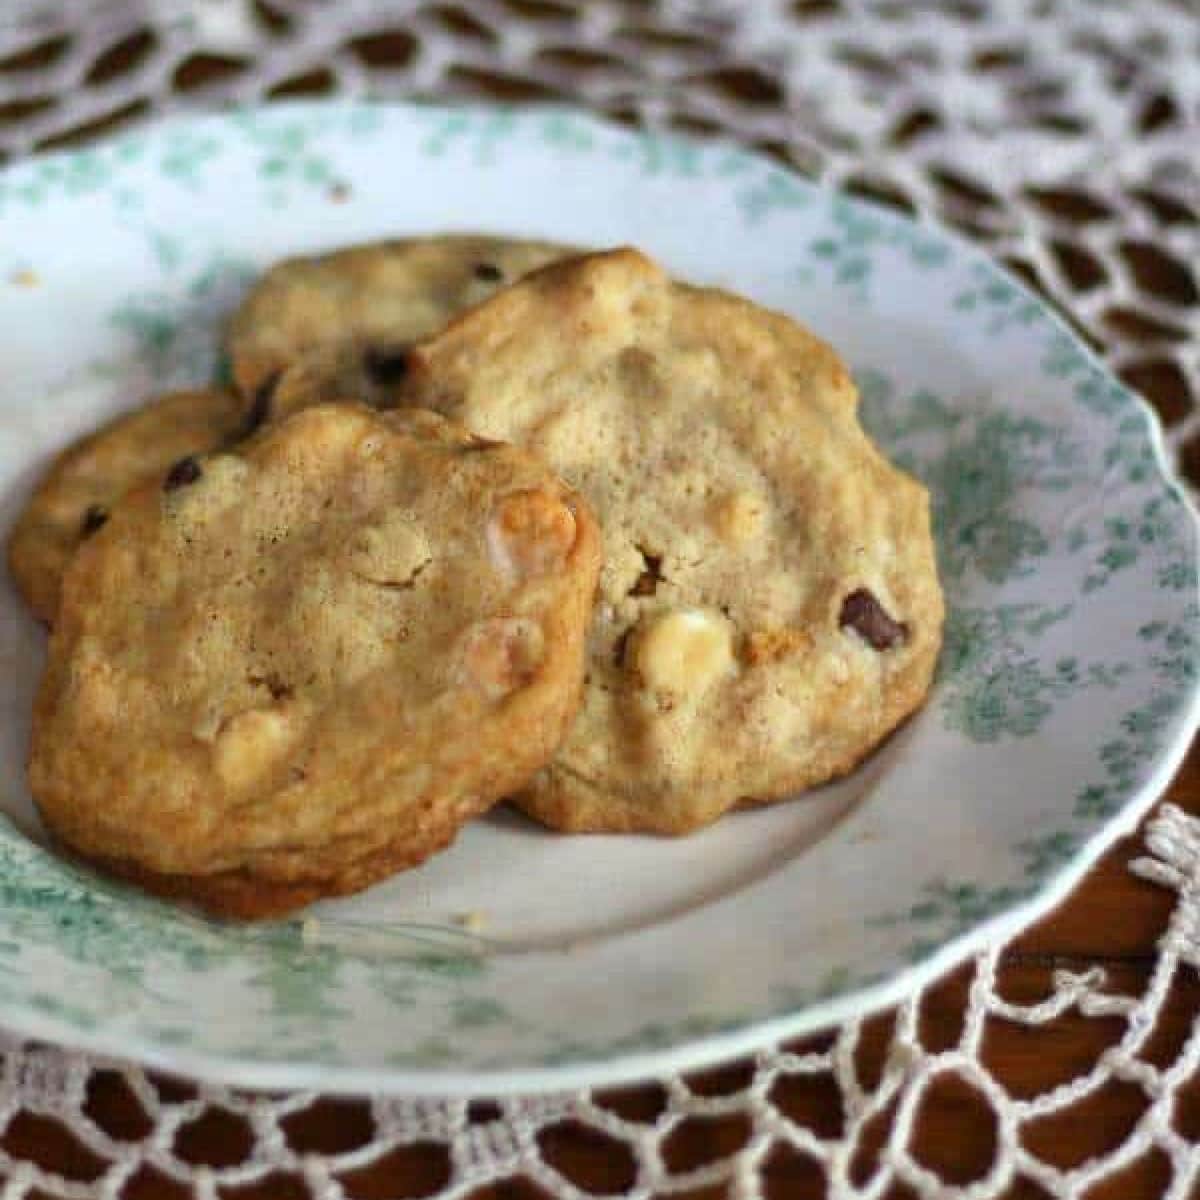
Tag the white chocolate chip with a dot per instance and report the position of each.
(530, 532)
(250, 743)
(393, 551)
(738, 516)
(683, 652)
(501, 654)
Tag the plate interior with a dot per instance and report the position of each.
(520, 958)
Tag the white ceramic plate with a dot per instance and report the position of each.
(1066, 694)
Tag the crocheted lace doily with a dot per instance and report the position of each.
(476, 1144)
(1063, 135)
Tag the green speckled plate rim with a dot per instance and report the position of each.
(1050, 880)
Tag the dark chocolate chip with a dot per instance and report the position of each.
(488, 272)
(185, 471)
(93, 518)
(647, 582)
(386, 365)
(863, 613)
(273, 683)
(620, 646)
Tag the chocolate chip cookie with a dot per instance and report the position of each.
(287, 670)
(769, 607)
(352, 314)
(73, 499)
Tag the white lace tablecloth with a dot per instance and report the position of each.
(1066, 136)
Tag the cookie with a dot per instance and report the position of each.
(287, 670)
(73, 498)
(353, 313)
(769, 607)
